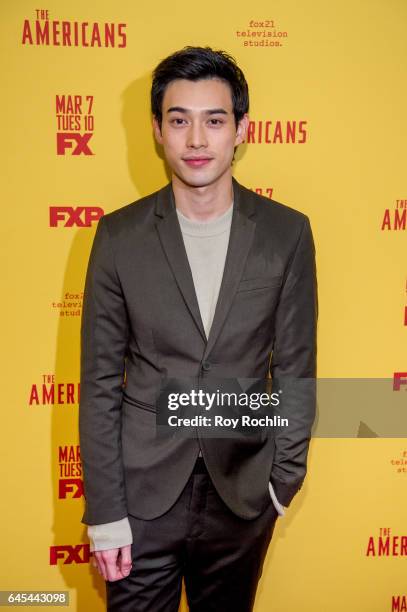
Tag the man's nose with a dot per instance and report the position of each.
(197, 135)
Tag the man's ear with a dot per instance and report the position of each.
(241, 131)
(157, 130)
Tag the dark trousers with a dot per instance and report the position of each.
(219, 555)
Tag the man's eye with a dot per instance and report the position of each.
(177, 121)
(215, 121)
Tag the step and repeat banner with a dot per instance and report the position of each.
(327, 136)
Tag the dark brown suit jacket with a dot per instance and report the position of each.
(141, 322)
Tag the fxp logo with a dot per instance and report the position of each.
(399, 379)
(69, 216)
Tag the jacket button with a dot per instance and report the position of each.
(206, 365)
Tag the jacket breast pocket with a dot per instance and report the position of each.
(260, 282)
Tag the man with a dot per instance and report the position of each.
(205, 280)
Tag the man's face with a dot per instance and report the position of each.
(198, 131)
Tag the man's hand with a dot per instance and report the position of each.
(113, 564)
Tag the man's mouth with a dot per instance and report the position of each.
(197, 162)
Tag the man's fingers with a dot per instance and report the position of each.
(107, 563)
(101, 563)
(110, 559)
(112, 565)
(125, 560)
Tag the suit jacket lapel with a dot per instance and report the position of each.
(170, 235)
(240, 240)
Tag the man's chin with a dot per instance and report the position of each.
(197, 180)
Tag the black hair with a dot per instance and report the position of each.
(195, 63)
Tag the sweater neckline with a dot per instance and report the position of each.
(205, 228)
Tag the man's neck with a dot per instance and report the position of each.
(203, 203)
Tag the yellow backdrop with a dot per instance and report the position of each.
(328, 105)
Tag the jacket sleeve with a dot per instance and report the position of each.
(293, 367)
(104, 339)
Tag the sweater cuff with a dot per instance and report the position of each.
(110, 535)
(277, 505)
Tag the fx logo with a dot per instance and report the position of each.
(70, 485)
(399, 378)
(79, 553)
(81, 216)
(66, 140)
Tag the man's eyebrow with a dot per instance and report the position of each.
(210, 111)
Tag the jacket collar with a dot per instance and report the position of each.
(165, 200)
(240, 240)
